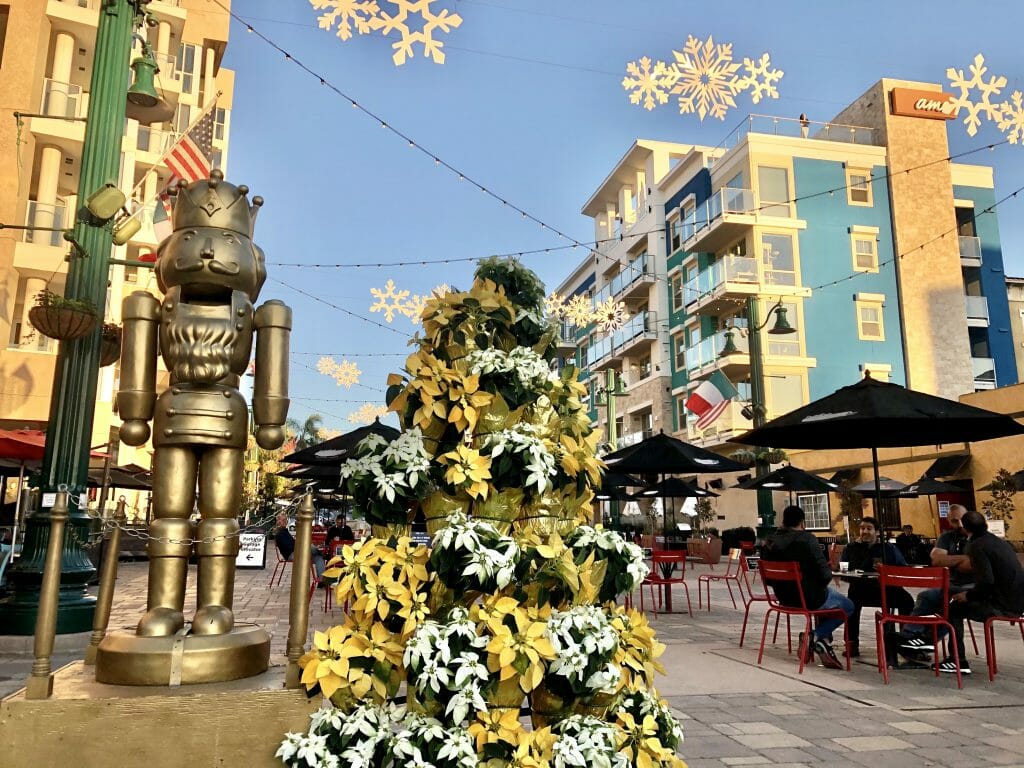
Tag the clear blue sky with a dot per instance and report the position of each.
(528, 103)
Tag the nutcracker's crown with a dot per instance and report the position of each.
(214, 202)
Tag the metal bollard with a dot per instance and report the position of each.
(108, 579)
(40, 681)
(298, 604)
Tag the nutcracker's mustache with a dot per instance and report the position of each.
(188, 264)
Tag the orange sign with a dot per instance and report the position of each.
(929, 104)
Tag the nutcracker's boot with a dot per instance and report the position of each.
(217, 548)
(169, 550)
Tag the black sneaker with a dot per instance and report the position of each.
(917, 644)
(827, 655)
(916, 657)
(949, 666)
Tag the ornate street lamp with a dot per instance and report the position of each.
(605, 397)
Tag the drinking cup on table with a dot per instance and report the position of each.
(844, 567)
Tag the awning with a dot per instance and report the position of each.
(844, 475)
(947, 466)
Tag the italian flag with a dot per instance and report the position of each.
(710, 398)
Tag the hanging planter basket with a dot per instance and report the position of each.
(61, 323)
(110, 344)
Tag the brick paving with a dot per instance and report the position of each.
(734, 712)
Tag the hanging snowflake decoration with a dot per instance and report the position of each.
(1011, 118)
(389, 301)
(347, 14)
(367, 412)
(650, 85)
(554, 306)
(580, 310)
(366, 16)
(704, 77)
(344, 373)
(414, 308)
(986, 90)
(431, 22)
(610, 315)
(761, 79)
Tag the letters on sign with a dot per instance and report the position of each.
(935, 105)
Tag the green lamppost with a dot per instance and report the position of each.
(606, 397)
(73, 397)
(756, 411)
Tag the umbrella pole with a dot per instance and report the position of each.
(878, 499)
(17, 511)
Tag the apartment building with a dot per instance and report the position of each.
(881, 251)
(46, 55)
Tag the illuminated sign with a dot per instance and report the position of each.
(934, 105)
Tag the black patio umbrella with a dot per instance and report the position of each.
(614, 493)
(790, 478)
(929, 486)
(618, 480)
(118, 478)
(888, 487)
(337, 449)
(673, 488)
(327, 472)
(876, 414)
(666, 455)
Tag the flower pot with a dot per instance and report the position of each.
(506, 695)
(546, 707)
(385, 532)
(62, 323)
(500, 509)
(595, 706)
(436, 508)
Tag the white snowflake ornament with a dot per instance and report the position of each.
(650, 85)
(347, 14)
(344, 373)
(704, 76)
(610, 315)
(428, 23)
(761, 78)
(986, 90)
(389, 301)
(1011, 118)
(367, 412)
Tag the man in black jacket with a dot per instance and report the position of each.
(792, 543)
(998, 585)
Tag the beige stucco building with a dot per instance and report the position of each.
(46, 55)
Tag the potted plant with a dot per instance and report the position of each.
(110, 344)
(333, 732)
(624, 562)
(1003, 488)
(60, 318)
(425, 741)
(652, 733)
(471, 557)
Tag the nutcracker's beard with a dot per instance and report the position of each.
(200, 349)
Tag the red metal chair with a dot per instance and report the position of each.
(749, 578)
(990, 639)
(732, 573)
(663, 575)
(907, 577)
(279, 567)
(776, 572)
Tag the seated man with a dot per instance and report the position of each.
(949, 552)
(286, 546)
(792, 543)
(338, 532)
(911, 547)
(862, 556)
(998, 585)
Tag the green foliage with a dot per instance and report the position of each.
(47, 298)
(705, 510)
(522, 287)
(1003, 488)
(308, 432)
(850, 504)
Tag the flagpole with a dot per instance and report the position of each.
(206, 110)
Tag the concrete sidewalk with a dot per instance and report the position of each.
(734, 712)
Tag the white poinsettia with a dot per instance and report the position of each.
(584, 644)
(586, 742)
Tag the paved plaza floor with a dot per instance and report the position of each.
(734, 712)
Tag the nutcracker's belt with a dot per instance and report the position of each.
(189, 414)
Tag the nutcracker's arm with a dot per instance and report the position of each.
(273, 323)
(136, 395)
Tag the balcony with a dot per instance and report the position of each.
(65, 105)
(624, 441)
(732, 277)
(729, 424)
(977, 311)
(598, 352)
(640, 329)
(632, 282)
(706, 356)
(46, 216)
(723, 218)
(153, 143)
(984, 373)
(970, 251)
(796, 128)
(565, 340)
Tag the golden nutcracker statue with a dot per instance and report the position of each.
(210, 272)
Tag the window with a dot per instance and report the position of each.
(869, 319)
(220, 121)
(865, 251)
(186, 67)
(680, 356)
(5, 15)
(675, 229)
(681, 411)
(676, 284)
(773, 187)
(878, 371)
(815, 508)
(643, 367)
(785, 393)
(858, 187)
(778, 259)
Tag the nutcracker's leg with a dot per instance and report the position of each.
(220, 498)
(174, 494)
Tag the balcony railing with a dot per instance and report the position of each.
(808, 129)
(639, 324)
(599, 350)
(46, 216)
(977, 309)
(708, 350)
(736, 269)
(984, 372)
(165, 62)
(61, 99)
(154, 140)
(729, 423)
(634, 271)
(970, 249)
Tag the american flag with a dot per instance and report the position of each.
(189, 158)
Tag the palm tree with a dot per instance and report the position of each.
(307, 433)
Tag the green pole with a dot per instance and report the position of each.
(73, 397)
(765, 510)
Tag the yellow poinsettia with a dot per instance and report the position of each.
(415, 609)
(374, 598)
(496, 726)
(638, 647)
(350, 661)
(641, 742)
(465, 400)
(410, 559)
(518, 648)
(468, 470)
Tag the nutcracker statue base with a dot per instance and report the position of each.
(125, 658)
